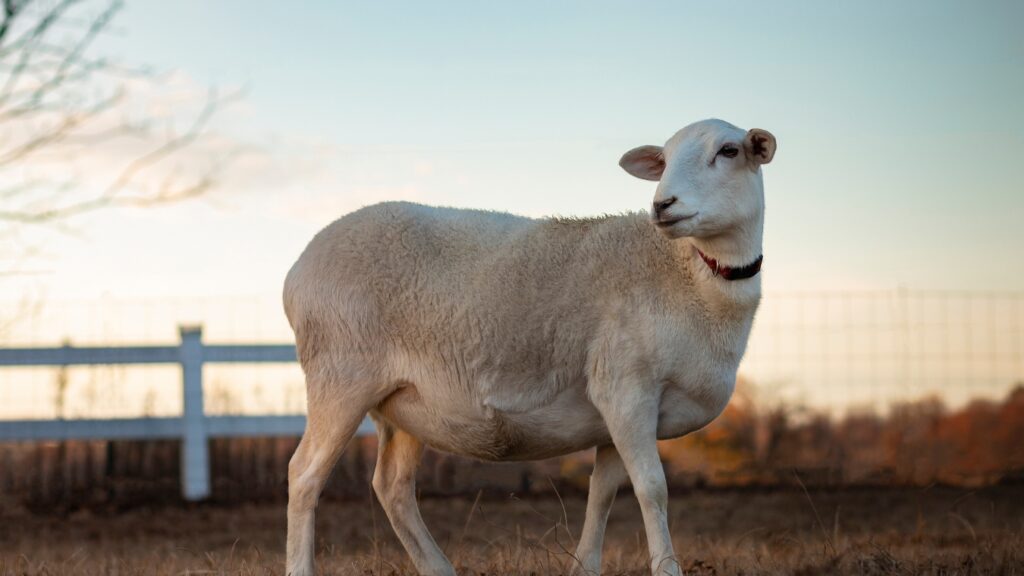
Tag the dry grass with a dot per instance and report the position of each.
(898, 531)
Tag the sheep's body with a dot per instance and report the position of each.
(509, 338)
(487, 332)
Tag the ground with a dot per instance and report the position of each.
(854, 531)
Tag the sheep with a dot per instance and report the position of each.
(502, 337)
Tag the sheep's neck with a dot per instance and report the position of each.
(735, 249)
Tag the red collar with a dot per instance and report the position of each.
(730, 273)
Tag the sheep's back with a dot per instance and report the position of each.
(491, 293)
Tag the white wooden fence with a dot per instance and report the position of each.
(194, 427)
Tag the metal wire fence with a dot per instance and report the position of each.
(837, 350)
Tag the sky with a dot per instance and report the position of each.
(899, 130)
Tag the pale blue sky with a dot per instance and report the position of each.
(899, 128)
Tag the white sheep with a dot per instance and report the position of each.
(509, 338)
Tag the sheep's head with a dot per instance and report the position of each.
(709, 178)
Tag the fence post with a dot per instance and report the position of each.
(195, 457)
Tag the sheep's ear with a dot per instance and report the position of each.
(647, 162)
(760, 146)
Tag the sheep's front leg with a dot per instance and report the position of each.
(608, 476)
(632, 421)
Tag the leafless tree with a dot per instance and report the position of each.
(59, 100)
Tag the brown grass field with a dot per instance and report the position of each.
(787, 531)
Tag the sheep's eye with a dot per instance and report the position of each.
(729, 151)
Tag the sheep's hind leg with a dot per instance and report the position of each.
(329, 427)
(394, 481)
(609, 474)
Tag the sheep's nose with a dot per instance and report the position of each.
(660, 206)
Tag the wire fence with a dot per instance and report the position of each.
(828, 351)
(841, 350)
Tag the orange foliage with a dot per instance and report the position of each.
(915, 443)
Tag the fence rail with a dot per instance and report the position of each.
(193, 428)
(91, 355)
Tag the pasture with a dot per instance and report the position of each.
(931, 530)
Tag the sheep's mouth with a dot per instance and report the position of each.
(671, 221)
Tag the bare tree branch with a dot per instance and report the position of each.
(59, 132)
(73, 58)
(10, 9)
(57, 98)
